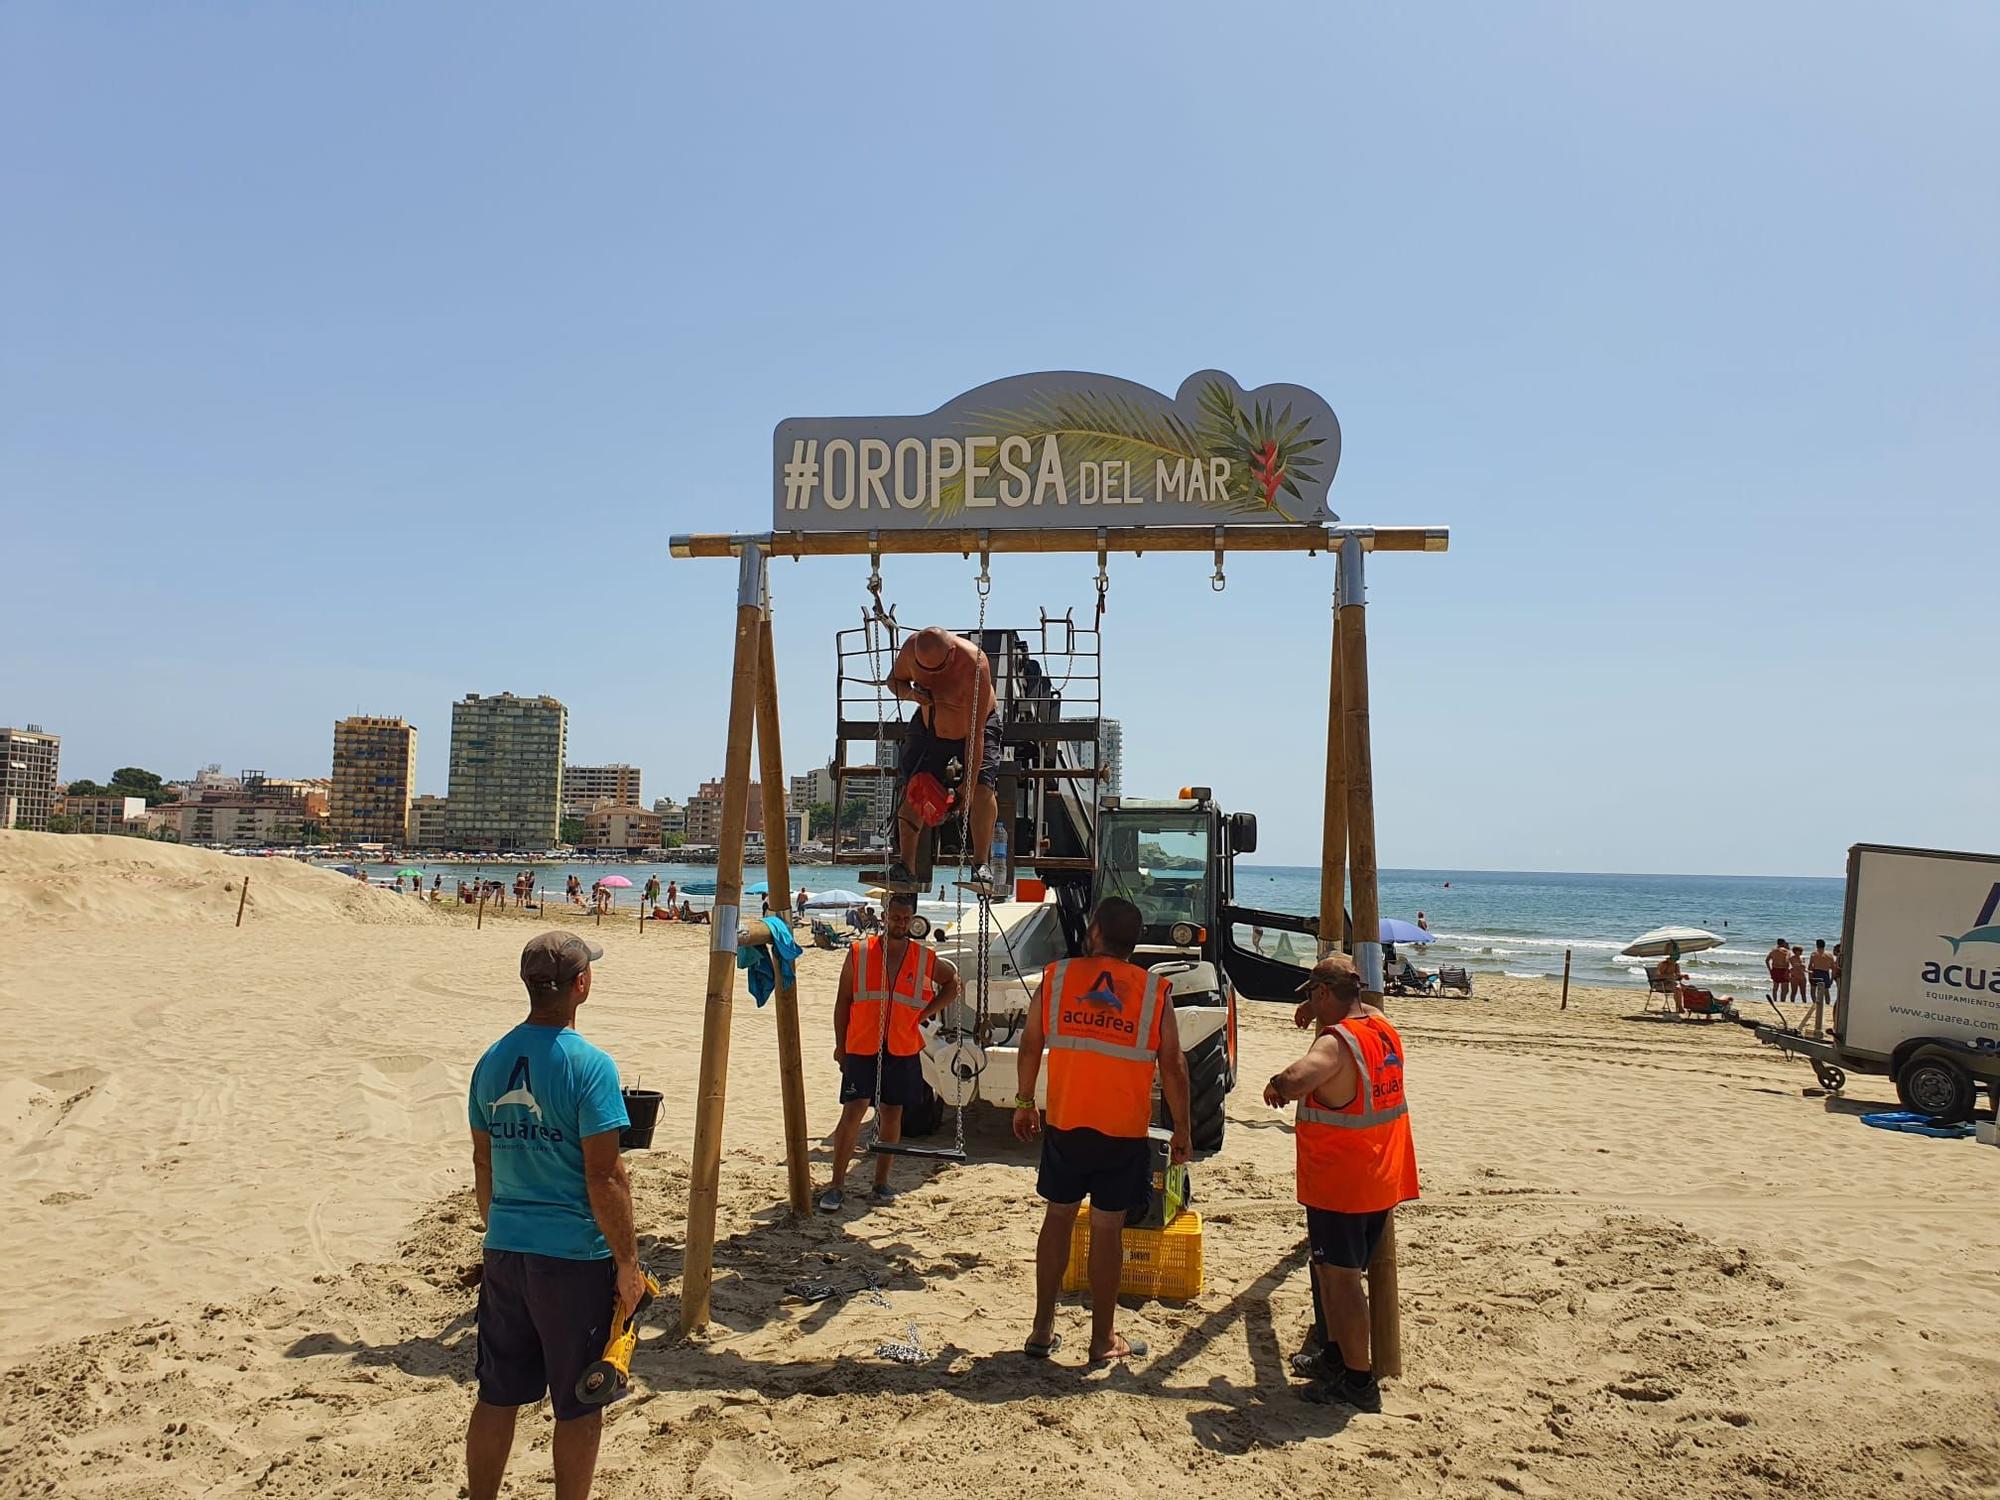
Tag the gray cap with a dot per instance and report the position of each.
(557, 958)
(1337, 971)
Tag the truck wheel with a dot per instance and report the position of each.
(1208, 1079)
(924, 1118)
(1931, 1083)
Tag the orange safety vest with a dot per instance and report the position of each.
(1359, 1159)
(1103, 1020)
(904, 999)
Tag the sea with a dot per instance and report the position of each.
(1517, 923)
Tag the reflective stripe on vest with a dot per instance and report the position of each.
(1096, 1083)
(883, 1015)
(1350, 1118)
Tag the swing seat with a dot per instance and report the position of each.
(923, 1153)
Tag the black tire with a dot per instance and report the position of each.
(1932, 1083)
(1208, 1077)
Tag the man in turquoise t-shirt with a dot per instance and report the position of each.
(546, 1110)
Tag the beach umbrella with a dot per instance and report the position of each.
(761, 888)
(1661, 940)
(1396, 930)
(838, 896)
(617, 880)
(411, 874)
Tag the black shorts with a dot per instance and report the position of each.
(924, 751)
(902, 1079)
(1114, 1172)
(542, 1321)
(1345, 1240)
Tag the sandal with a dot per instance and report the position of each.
(1042, 1351)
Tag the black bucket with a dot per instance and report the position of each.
(643, 1106)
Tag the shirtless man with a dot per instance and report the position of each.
(1798, 974)
(1819, 970)
(947, 677)
(1778, 962)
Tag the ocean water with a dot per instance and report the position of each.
(1491, 921)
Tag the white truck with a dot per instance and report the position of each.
(1919, 995)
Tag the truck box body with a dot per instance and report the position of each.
(1920, 954)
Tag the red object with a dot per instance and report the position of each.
(928, 799)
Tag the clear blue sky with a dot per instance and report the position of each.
(355, 357)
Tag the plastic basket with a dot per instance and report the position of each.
(1163, 1263)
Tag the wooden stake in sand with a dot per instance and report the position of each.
(243, 897)
(698, 1262)
(778, 879)
(1565, 1004)
(1386, 1323)
(479, 921)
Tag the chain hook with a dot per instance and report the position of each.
(984, 582)
(1216, 581)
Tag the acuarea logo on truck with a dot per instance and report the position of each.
(1964, 975)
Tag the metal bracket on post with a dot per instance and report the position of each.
(1216, 581)
(1368, 963)
(984, 582)
(1103, 574)
(1352, 584)
(750, 592)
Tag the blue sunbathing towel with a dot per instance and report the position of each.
(758, 960)
(1907, 1123)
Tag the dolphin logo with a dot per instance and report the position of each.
(1977, 935)
(1984, 929)
(518, 1091)
(1101, 994)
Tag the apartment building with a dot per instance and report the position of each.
(506, 787)
(584, 787)
(103, 814)
(374, 768)
(428, 827)
(28, 761)
(628, 826)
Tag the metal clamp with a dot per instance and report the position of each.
(1215, 580)
(1103, 570)
(984, 582)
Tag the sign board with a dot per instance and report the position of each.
(1923, 949)
(1065, 448)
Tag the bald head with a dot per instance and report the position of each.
(932, 646)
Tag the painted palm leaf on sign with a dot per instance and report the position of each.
(1264, 452)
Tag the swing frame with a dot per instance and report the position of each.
(1347, 855)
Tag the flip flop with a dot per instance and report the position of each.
(1042, 1351)
(831, 1200)
(1134, 1349)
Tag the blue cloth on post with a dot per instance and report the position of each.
(758, 960)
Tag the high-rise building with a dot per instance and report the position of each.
(584, 787)
(1111, 756)
(374, 765)
(428, 827)
(506, 772)
(28, 759)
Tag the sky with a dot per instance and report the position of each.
(356, 358)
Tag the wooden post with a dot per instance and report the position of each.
(241, 898)
(778, 877)
(479, 921)
(1565, 1004)
(1333, 824)
(698, 1260)
(1385, 1318)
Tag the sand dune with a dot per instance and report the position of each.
(236, 1190)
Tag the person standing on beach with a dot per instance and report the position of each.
(673, 892)
(652, 894)
(1797, 974)
(889, 987)
(1355, 1162)
(1779, 964)
(546, 1110)
(1109, 1026)
(1819, 971)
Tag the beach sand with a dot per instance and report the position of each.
(237, 1195)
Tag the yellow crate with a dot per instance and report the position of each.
(1164, 1263)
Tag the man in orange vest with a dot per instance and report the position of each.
(1356, 1162)
(1108, 1025)
(890, 985)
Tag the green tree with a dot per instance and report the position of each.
(127, 781)
(572, 830)
(62, 823)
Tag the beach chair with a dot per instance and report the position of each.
(1410, 980)
(1704, 1004)
(1666, 990)
(1450, 978)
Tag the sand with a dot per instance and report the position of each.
(237, 1193)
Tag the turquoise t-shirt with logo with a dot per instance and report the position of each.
(537, 1093)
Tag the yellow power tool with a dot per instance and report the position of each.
(606, 1377)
